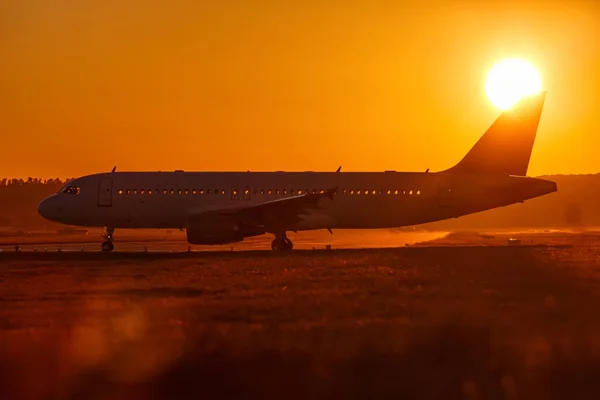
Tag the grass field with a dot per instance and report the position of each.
(417, 322)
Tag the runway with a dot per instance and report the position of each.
(159, 242)
(175, 242)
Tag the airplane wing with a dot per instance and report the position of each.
(281, 214)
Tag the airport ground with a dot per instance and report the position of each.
(175, 241)
(461, 316)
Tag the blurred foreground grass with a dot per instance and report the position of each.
(449, 323)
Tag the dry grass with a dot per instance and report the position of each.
(480, 323)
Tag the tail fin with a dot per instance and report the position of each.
(506, 146)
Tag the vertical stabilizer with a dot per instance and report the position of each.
(506, 146)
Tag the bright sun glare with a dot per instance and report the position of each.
(510, 80)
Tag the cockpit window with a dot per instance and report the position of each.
(72, 190)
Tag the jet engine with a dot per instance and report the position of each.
(219, 230)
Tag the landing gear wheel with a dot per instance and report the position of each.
(282, 244)
(107, 246)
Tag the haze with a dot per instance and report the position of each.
(212, 85)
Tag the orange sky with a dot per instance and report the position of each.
(265, 85)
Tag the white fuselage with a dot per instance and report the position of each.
(361, 200)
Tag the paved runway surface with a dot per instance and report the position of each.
(159, 242)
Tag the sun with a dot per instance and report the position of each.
(510, 80)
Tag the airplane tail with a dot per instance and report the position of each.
(506, 146)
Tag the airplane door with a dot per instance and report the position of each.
(105, 192)
(246, 193)
(445, 194)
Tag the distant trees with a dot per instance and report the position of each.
(32, 181)
(573, 215)
(19, 199)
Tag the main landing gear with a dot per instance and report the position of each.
(281, 243)
(107, 245)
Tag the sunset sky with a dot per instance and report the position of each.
(285, 85)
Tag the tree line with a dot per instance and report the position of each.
(19, 199)
(32, 181)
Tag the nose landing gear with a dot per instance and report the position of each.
(107, 245)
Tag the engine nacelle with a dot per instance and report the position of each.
(213, 231)
(195, 237)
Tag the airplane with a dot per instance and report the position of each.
(226, 207)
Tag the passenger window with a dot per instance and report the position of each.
(358, 192)
(410, 192)
(222, 191)
(201, 191)
(276, 191)
(418, 192)
(120, 191)
(134, 191)
(246, 192)
(142, 191)
(270, 191)
(389, 192)
(235, 192)
(344, 191)
(351, 191)
(374, 192)
(284, 191)
(193, 191)
(396, 191)
(127, 191)
(300, 191)
(262, 191)
(172, 191)
(149, 191)
(164, 191)
(208, 191)
(187, 192)
(292, 192)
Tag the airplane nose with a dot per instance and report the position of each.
(43, 208)
(48, 208)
